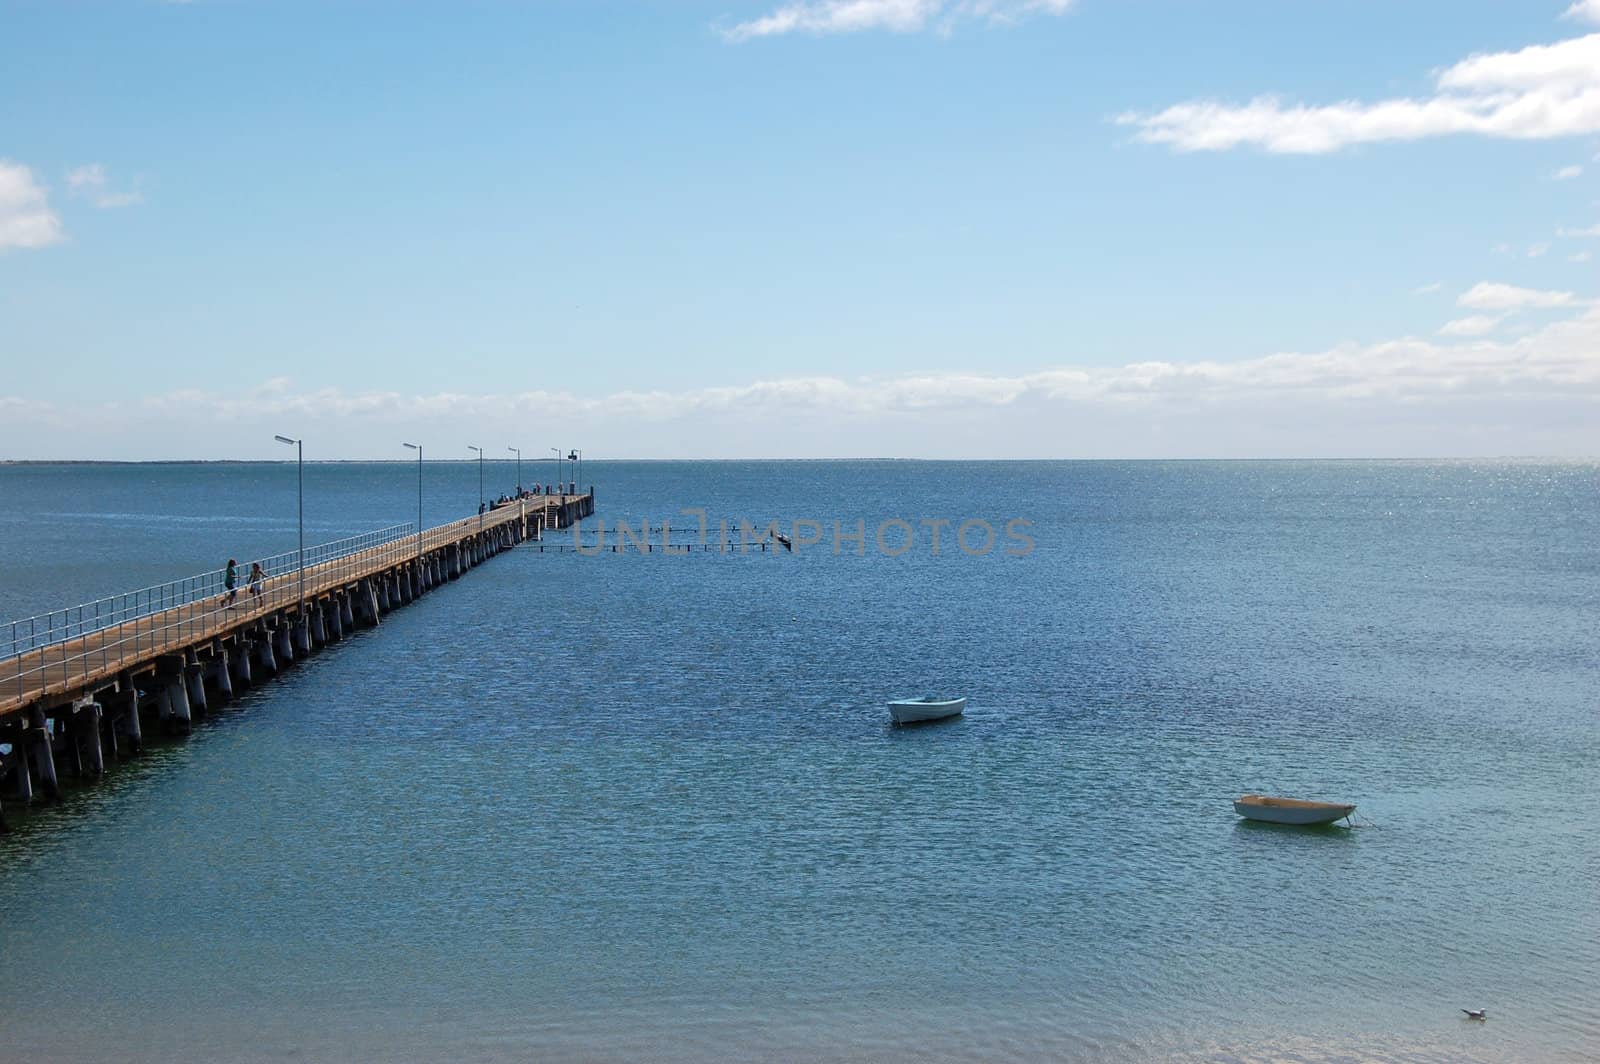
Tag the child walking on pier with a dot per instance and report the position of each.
(258, 576)
(230, 580)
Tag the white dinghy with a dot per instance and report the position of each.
(1290, 810)
(917, 710)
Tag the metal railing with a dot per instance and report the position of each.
(95, 637)
(65, 650)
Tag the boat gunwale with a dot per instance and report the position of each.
(1268, 802)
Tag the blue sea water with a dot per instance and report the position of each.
(640, 806)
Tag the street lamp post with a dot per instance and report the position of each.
(300, 463)
(470, 447)
(519, 468)
(418, 448)
(557, 460)
(577, 456)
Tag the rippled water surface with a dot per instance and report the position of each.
(648, 807)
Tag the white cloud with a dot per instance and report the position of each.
(1566, 173)
(899, 16)
(1580, 256)
(1427, 289)
(1536, 250)
(26, 220)
(1533, 393)
(89, 182)
(1486, 295)
(1476, 325)
(1539, 92)
(1583, 11)
(1593, 230)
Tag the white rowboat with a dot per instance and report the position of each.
(917, 710)
(1290, 810)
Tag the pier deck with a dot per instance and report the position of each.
(198, 633)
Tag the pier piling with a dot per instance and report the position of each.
(41, 754)
(282, 649)
(220, 677)
(195, 676)
(83, 736)
(14, 771)
(121, 709)
(240, 663)
(265, 653)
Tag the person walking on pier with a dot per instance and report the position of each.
(258, 576)
(230, 580)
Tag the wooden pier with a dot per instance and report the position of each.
(71, 705)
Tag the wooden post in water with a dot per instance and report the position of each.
(14, 767)
(172, 695)
(281, 646)
(220, 679)
(44, 762)
(369, 604)
(263, 644)
(195, 677)
(121, 708)
(240, 662)
(84, 732)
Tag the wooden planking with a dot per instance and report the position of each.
(95, 660)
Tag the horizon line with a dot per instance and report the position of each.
(884, 458)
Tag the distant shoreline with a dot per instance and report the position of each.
(1562, 459)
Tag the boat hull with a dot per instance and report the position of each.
(915, 711)
(1292, 811)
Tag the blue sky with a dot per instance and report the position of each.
(942, 228)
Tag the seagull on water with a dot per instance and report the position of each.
(1476, 1014)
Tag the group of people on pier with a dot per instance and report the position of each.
(230, 582)
(528, 493)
